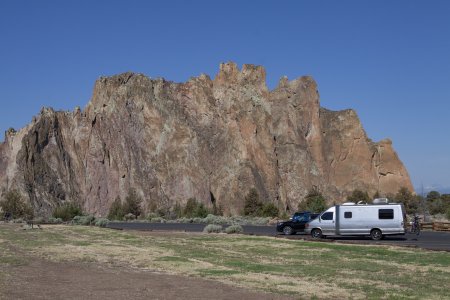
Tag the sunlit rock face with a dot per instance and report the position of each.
(213, 140)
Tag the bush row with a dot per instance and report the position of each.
(214, 228)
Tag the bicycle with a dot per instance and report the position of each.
(415, 225)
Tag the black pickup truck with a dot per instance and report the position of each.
(296, 223)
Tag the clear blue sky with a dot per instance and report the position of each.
(388, 60)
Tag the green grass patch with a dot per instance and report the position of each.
(172, 258)
(216, 272)
(12, 260)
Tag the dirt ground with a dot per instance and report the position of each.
(41, 279)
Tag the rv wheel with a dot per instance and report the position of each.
(316, 233)
(376, 234)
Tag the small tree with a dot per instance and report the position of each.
(433, 195)
(116, 211)
(410, 201)
(15, 207)
(177, 210)
(194, 209)
(358, 195)
(132, 204)
(190, 207)
(436, 206)
(252, 205)
(314, 201)
(270, 210)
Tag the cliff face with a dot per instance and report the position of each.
(208, 139)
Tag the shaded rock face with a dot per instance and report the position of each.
(209, 139)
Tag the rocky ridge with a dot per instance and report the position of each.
(208, 139)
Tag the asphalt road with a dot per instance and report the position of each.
(427, 240)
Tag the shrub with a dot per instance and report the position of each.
(358, 195)
(129, 217)
(83, 220)
(436, 206)
(116, 211)
(67, 211)
(410, 201)
(314, 201)
(132, 204)
(258, 221)
(448, 214)
(194, 209)
(270, 210)
(177, 211)
(157, 220)
(197, 220)
(213, 228)
(212, 219)
(252, 205)
(13, 206)
(101, 222)
(53, 220)
(234, 229)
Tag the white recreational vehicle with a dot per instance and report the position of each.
(375, 220)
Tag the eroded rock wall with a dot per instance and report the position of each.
(208, 139)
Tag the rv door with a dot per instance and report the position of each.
(327, 223)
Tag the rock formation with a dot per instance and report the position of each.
(209, 139)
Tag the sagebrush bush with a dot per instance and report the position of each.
(197, 220)
(53, 220)
(83, 220)
(67, 211)
(234, 229)
(213, 228)
(101, 222)
(152, 215)
(212, 219)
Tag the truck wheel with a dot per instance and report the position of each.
(376, 234)
(287, 230)
(316, 233)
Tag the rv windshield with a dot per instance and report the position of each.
(327, 216)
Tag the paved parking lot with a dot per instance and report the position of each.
(427, 240)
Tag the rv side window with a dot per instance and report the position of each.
(327, 216)
(348, 215)
(385, 214)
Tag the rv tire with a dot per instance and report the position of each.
(376, 234)
(316, 233)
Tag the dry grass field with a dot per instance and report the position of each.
(262, 267)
